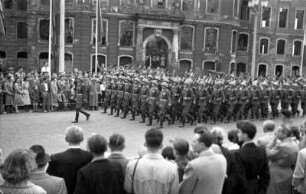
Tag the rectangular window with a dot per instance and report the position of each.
(21, 4)
(126, 33)
(297, 48)
(236, 8)
(212, 6)
(161, 3)
(186, 38)
(283, 14)
(265, 17)
(234, 42)
(103, 33)
(44, 30)
(22, 32)
(8, 4)
(299, 18)
(69, 31)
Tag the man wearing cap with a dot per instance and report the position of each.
(286, 96)
(52, 184)
(175, 97)
(243, 96)
(202, 102)
(264, 97)
(255, 96)
(108, 94)
(79, 99)
(135, 98)
(113, 101)
(187, 99)
(274, 100)
(144, 94)
(120, 94)
(153, 95)
(164, 103)
(296, 96)
(231, 101)
(126, 102)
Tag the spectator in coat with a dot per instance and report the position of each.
(151, 167)
(9, 94)
(16, 172)
(299, 174)
(282, 158)
(252, 159)
(45, 92)
(66, 164)
(180, 151)
(100, 175)
(208, 169)
(52, 184)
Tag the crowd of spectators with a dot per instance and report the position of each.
(274, 163)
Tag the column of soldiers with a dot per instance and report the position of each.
(196, 100)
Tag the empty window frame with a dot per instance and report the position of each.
(283, 17)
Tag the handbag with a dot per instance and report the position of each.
(133, 175)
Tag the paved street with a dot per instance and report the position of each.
(25, 129)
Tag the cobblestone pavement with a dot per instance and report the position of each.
(26, 129)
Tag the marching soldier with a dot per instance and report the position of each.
(243, 98)
(135, 98)
(144, 94)
(153, 95)
(108, 94)
(274, 100)
(175, 104)
(264, 97)
(217, 97)
(113, 100)
(126, 102)
(120, 95)
(303, 99)
(286, 96)
(255, 99)
(296, 96)
(79, 99)
(164, 103)
(202, 102)
(187, 98)
(232, 101)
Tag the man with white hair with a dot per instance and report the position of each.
(66, 164)
(268, 128)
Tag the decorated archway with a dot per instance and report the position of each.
(156, 53)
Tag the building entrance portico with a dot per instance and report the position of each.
(156, 52)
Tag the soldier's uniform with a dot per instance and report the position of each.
(255, 99)
(164, 102)
(175, 104)
(108, 94)
(126, 102)
(303, 99)
(264, 98)
(232, 101)
(296, 96)
(79, 99)
(217, 98)
(135, 98)
(113, 100)
(187, 98)
(286, 96)
(152, 100)
(120, 94)
(202, 102)
(274, 100)
(243, 98)
(144, 94)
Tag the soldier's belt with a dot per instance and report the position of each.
(163, 100)
(152, 98)
(187, 98)
(203, 98)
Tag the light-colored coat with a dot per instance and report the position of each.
(282, 158)
(204, 175)
(52, 184)
(299, 174)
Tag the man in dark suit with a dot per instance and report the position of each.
(45, 91)
(101, 175)
(252, 159)
(117, 144)
(66, 164)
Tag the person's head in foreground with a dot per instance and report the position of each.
(154, 140)
(246, 131)
(283, 132)
(180, 147)
(202, 140)
(41, 157)
(268, 126)
(74, 135)
(116, 142)
(18, 166)
(97, 145)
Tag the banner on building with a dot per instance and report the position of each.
(2, 21)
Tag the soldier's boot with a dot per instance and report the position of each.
(112, 111)
(125, 112)
(214, 119)
(104, 112)
(143, 119)
(183, 123)
(117, 113)
(76, 120)
(169, 120)
(133, 116)
(161, 124)
(150, 121)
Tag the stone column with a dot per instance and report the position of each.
(175, 42)
(139, 45)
